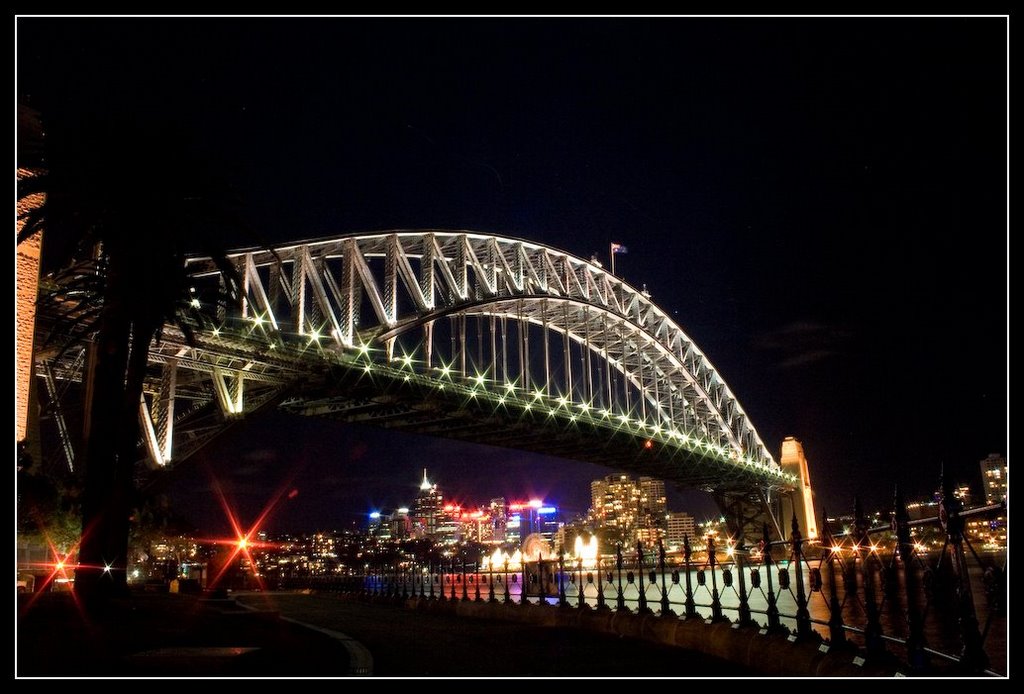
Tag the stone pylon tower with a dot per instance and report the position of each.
(26, 272)
(801, 501)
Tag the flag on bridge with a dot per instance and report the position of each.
(619, 248)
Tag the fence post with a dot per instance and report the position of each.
(666, 611)
(716, 603)
(738, 553)
(973, 657)
(465, 588)
(543, 599)
(620, 599)
(491, 597)
(836, 632)
(476, 581)
(873, 629)
(430, 564)
(766, 557)
(690, 607)
(803, 616)
(579, 584)
(522, 583)
(915, 621)
(562, 602)
(642, 601)
(600, 586)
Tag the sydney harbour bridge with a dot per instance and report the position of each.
(457, 334)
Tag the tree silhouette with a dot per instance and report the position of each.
(124, 205)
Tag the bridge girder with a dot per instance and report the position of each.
(502, 321)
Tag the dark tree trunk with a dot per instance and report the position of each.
(92, 583)
(112, 451)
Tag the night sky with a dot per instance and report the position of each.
(820, 203)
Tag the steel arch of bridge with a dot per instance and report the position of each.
(494, 319)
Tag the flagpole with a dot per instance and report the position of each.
(611, 252)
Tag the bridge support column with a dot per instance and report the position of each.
(746, 513)
(229, 393)
(157, 422)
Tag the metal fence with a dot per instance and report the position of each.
(872, 590)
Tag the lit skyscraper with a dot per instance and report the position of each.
(678, 526)
(993, 478)
(499, 516)
(634, 509)
(429, 507)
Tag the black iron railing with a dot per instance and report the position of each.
(871, 590)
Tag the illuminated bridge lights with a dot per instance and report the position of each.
(666, 435)
(627, 356)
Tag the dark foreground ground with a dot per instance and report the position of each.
(167, 635)
(405, 642)
(175, 635)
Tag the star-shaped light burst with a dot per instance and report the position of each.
(60, 565)
(243, 542)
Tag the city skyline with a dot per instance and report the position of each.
(819, 227)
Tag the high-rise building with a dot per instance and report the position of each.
(379, 526)
(401, 524)
(429, 508)
(498, 512)
(678, 526)
(633, 509)
(514, 526)
(448, 526)
(545, 521)
(994, 471)
(652, 496)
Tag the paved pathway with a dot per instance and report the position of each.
(411, 643)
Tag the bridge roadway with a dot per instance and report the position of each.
(406, 643)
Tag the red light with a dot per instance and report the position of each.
(241, 542)
(648, 444)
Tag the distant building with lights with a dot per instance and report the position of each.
(994, 471)
(679, 525)
(498, 510)
(379, 526)
(634, 510)
(429, 509)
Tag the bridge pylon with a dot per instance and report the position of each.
(799, 502)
